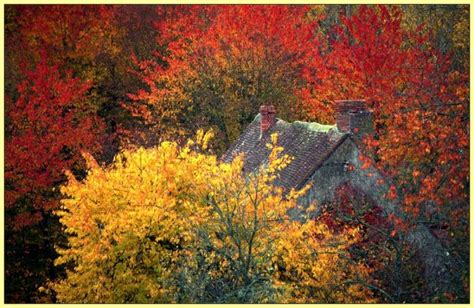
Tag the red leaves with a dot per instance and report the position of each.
(236, 30)
(48, 125)
(398, 224)
(418, 98)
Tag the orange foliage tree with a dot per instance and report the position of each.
(217, 64)
(419, 101)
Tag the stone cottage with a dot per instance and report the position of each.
(329, 156)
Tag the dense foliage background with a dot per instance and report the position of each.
(101, 80)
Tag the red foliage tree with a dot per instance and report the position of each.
(84, 39)
(421, 110)
(46, 131)
(419, 102)
(47, 128)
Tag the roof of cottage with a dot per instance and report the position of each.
(310, 144)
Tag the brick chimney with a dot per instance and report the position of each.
(353, 116)
(267, 114)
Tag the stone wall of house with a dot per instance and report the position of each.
(344, 166)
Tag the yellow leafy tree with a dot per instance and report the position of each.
(173, 224)
(316, 266)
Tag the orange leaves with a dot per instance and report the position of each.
(225, 61)
(66, 32)
(366, 162)
(366, 165)
(416, 173)
(392, 193)
(212, 67)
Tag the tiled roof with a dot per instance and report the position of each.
(310, 144)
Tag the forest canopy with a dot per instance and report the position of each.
(114, 191)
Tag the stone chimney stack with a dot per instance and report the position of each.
(267, 114)
(353, 116)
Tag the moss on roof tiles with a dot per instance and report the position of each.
(316, 127)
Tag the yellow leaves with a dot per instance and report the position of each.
(203, 138)
(118, 208)
(316, 259)
(154, 215)
(147, 199)
(312, 208)
(276, 161)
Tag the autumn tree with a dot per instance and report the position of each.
(420, 103)
(447, 27)
(419, 106)
(187, 228)
(47, 127)
(218, 64)
(94, 42)
(84, 47)
(160, 73)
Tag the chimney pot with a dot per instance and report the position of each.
(267, 114)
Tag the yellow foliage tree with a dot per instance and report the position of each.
(171, 224)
